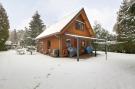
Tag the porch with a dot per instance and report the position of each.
(75, 45)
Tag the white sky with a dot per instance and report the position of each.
(21, 11)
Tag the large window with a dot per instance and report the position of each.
(79, 25)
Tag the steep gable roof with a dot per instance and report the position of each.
(58, 27)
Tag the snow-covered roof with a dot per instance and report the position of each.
(57, 27)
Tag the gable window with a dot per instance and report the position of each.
(79, 25)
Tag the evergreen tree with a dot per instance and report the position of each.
(35, 27)
(26, 37)
(125, 26)
(4, 27)
(119, 27)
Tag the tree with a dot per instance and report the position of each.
(36, 26)
(125, 25)
(20, 37)
(101, 33)
(4, 27)
(15, 38)
(26, 37)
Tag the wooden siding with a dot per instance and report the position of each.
(54, 44)
(71, 28)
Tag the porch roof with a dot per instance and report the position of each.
(84, 37)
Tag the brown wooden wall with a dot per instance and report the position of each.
(43, 47)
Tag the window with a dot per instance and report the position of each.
(83, 43)
(79, 25)
(68, 42)
(48, 44)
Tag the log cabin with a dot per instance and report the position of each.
(65, 31)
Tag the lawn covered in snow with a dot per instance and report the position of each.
(44, 72)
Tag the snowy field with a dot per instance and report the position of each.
(43, 72)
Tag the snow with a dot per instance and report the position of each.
(57, 27)
(44, 72)
(8, 42)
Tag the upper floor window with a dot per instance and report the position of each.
(79, 25)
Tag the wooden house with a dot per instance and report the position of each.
(70, 27)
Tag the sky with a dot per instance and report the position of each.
(20, 12)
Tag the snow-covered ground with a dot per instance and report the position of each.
(44, 72)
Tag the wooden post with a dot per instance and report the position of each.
(106, 49)
(60, 46)
(78, 49)
(95, 50)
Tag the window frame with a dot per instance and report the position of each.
(79, 25)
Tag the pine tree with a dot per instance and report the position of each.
(125, 26)
(35, 27)
(120, 27)
(4, 27)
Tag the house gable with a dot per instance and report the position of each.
(81, 17)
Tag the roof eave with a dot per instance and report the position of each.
(47, 36)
